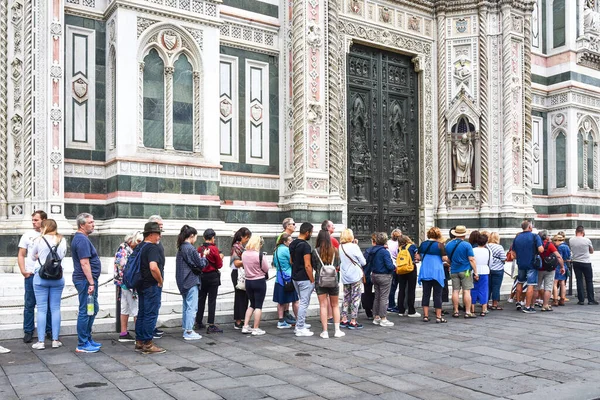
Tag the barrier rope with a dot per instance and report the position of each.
(109, 281)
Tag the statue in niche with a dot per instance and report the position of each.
(462, 160)
(591, 17)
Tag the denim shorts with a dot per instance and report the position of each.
(528, 275)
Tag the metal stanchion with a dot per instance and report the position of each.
(118, 309)
(570, 266)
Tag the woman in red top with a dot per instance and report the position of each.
(210, 282)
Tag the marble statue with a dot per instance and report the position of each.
(462, 159)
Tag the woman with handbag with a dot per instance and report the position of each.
(188, 268)
(48, 284)
(325, 259)
(256, 269)
(284, 292)
(431, 274)
(351, 273)
(240, 298)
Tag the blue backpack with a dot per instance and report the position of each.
(132, 273)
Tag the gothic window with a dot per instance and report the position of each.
(154, 100)
(170, 97)
(558, 22)
(561, 160)
(228, 108)
(183, 105)
(580, 163)
(589, 147)
(586, 156)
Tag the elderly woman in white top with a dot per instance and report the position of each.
(48, 290)
(352, 261)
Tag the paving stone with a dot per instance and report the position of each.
(257, 381)
(219, 383)
(63, 395)
(188, 391)
(396, 384)
(108, 394)
(240, 392)
(145, 394)
(284, 392)
(371, 387)
(489, 370)
(25, 368)
(567, 391)
(494, 387)
(40, 390)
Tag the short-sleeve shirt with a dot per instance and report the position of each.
(27, 242)
(150, 253)
(460, 256)
(81, 248)
(580, 249)
(564, 251)
(549, 248)
(298, 249)
(335, 243)
(526, 245)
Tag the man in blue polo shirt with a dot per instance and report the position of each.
(527, 246)
(462, 261)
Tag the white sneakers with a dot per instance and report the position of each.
(415, 315)
(4, 350)
(246, 329)
(324, 335)
(38, 346)
(191, 335)
(56, 344)
(339, 334)
(304, 332)
(257, 332)
(385, 322)
(376, 321)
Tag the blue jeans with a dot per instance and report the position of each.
(304, 289)
(148, 306)
(84, 321)
(48, 291)
(496, 278)
(190, 308)
(392, 296)
(528, 275)
(28, 313)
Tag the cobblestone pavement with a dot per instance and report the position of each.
(508, 354)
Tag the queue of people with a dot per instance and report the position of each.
(475, 266)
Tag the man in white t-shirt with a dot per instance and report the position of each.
(581, 248)
(27, 267)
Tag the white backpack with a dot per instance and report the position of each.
(327, 274)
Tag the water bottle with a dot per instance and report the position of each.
(90, 305)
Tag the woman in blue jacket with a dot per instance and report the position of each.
(382, 268)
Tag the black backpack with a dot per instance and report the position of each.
(52, 268)
(550, 261)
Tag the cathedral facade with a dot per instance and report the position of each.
(374, 114)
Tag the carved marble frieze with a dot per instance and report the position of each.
(588, 44)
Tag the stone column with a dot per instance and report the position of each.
(483, 101)
(507, 187)
(3, 107)
(528, 134)
(442, 130)
(169, 107)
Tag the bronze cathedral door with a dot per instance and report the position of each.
(383, 143)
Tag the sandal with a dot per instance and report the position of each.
(425, 319)
(440, 320)
(470, 315)
(493, 308)
(498, 308)
(455, 315)
(483, 314)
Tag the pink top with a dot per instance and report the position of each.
(253, 270)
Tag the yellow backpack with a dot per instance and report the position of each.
(404, 262)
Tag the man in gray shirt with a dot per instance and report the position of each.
(581, 248)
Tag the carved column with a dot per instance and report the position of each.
(197, 121)
(298, 96)
(140, 139)
(334, 67)
(442, 135)
(28, 105)
(528, 134)
(483, 100)
(3, 106)
(507, 188)
(169, 108)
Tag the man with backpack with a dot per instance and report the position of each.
(526, 248)
(151, 266)
(463, 269)
(550, 259)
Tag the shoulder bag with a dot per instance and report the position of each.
(288, 286)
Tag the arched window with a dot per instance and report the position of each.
(561, 160)
(183, 105)
(154, 101)
(580, 163)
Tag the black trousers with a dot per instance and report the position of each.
(437, 293)
(367, 299)
(407, 285)
(584, 275)
(240, 299)
(209, 288)
(445, 290)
